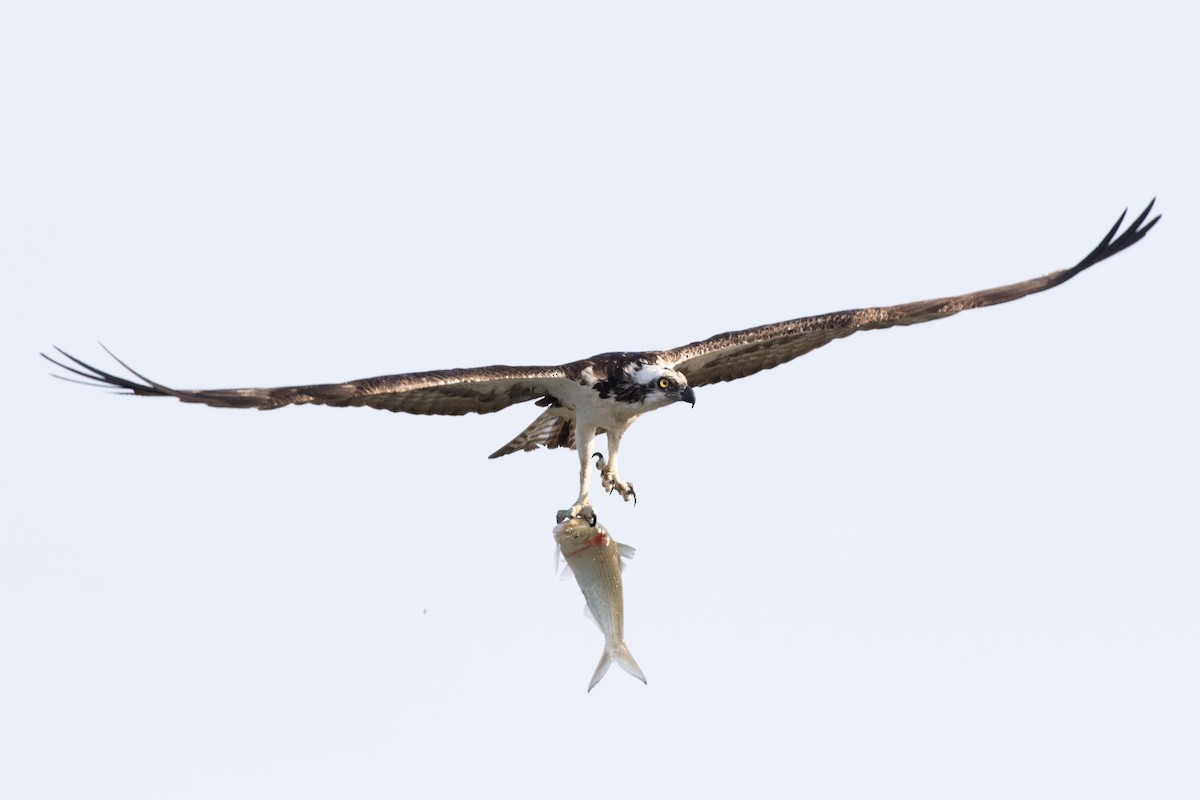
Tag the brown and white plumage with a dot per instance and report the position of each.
(606, 393)
(451, 391)
(737, 354)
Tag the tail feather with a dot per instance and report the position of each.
(550, 429)
(620, 654)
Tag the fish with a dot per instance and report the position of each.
(595, 558)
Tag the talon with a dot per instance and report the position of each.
(585, 513)
(598, 458)
(632, 492)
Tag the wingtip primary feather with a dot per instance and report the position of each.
(149, 382)
(100, 378)
(1137, 223)
(1113, 230)
(1112, 244)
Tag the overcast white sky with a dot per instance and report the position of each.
(957, 560)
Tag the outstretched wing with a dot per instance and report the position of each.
(733, 355)
(451, 391)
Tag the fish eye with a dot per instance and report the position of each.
(664, 383)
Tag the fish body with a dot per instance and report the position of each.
(594, 557)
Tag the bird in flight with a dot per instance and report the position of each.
(606, 393)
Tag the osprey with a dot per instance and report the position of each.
(605, 394)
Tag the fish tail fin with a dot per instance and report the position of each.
(624, 659)
(620, 654)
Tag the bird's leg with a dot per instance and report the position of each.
(584, 436)
(609, 478)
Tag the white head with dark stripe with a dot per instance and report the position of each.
(637, 382)
(660, 385)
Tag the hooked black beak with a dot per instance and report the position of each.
(688, 395)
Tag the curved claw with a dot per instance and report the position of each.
(585, 513)
(599, 457)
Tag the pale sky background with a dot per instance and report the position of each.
(957, 560)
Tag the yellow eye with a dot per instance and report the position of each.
(664, 383)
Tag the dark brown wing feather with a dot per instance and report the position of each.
(733, 355)
(451, 391)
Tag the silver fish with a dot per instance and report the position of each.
(595, 559)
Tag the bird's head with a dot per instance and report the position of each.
(663, 385)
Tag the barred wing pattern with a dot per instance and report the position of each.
(550, 430)
(737, 354)
(452, 391)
